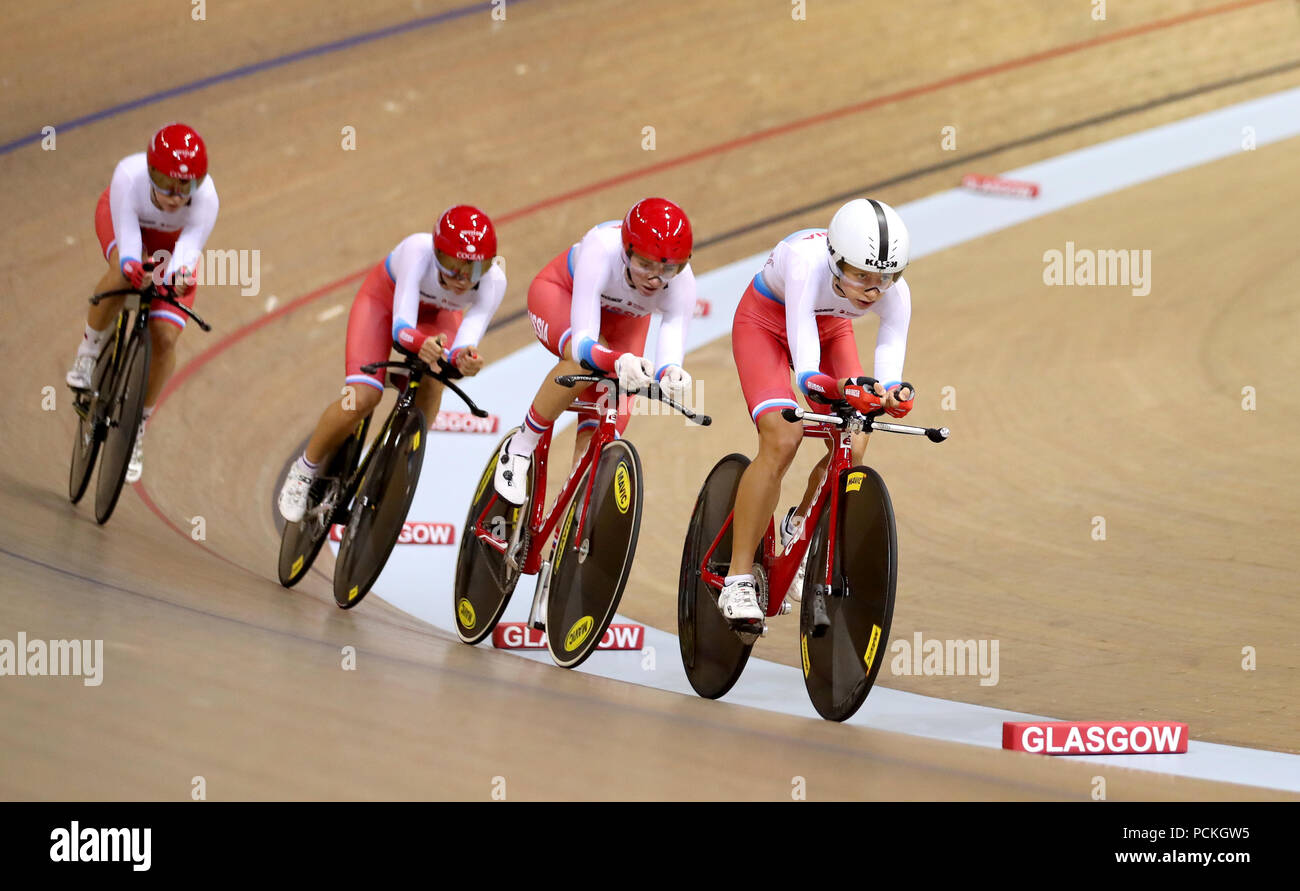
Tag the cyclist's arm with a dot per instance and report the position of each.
(678, 309)
(895, 311)
(126, 223)
(590, 270)
(491, 288)
(407, 265)
(802, 335)
(203, 216)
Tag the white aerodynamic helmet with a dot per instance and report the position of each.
(870, 235)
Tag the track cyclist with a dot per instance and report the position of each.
(434, 295)
(591, 307)
(160, 205)
(797, 314)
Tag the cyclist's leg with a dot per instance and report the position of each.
(763, 362)
(549, 299)
(101, 316)
(839, 350)
(369, 339)
(165, 326)
(623, 334)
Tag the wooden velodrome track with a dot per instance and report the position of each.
(1070, 405)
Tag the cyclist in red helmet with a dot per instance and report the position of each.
(591, 306)
(434, 296)
(160, 205)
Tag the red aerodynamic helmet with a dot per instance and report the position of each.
(177, 151)
(658, 229)
(466, 233)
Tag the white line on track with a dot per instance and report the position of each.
(333, 312)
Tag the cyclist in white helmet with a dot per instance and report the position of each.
(797, 316)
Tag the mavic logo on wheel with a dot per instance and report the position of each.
(415, 441)
(855, 482)
(578, 633)
(870, 656)
(803, 649)
(297, 566)
(564, 537)
(465, 612)
(352, 595)
(622, 488)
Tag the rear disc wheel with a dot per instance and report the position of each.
(484, 582)
(713, 654)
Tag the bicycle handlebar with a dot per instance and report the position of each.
(655, 392)
(159, 292)
(934, 434)
(446, 374)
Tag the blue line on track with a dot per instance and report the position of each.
(256, 67)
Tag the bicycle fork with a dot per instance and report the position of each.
(537, 615)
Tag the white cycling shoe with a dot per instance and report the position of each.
(79, 375)
(135, 467)
(738, 602)
(511, 476)
(293, 494)
(791, 529)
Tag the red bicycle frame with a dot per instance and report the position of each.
(542, 523)
(781, 568)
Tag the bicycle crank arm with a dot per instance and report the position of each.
(512, 549)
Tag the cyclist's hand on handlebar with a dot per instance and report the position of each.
(133, 272)
(431, 350)
(863, 393)
(894, 402)
(469, 361)
(634, 372)
(675, 382)
(183, 281)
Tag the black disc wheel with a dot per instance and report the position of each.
(90, 426)
(379, 510)
(122, 417)
(844, 630)
(300, 542)
(484, 581)
(712, 653)
(593, 555)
